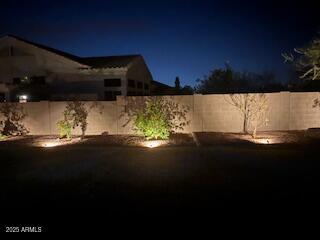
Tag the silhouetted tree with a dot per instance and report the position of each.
(177, 85)
(187, 90)
(229, 81)
(307, 60)
(178, 90)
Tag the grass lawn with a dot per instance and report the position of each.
(123, 181)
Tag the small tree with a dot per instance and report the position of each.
(75, 115)
(253, 108)
(257, 116)
(14, 114)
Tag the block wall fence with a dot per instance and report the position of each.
(207, 113)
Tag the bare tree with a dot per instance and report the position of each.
(253, 108)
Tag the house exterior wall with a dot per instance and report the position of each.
(31, 60)
(4, 91)
(67, 78)
(138, 71)
(207, 113)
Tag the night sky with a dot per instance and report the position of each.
(176, 38)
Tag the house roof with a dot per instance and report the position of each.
(110, 61)
(94, 62)
(161, 85)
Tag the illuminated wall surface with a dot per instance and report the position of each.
(287, 111)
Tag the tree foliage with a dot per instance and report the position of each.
(65, 129)
(229, 81)
(177, 85)
(179, 90)
(76, 114)
(14, 114)
(152, 121)
(156, 117)
(306, 60)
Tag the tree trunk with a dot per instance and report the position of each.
(246, 115)
(245, 124)
(254, 134)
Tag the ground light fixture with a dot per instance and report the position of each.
(50, 143)
(153, 143)
(262, 141)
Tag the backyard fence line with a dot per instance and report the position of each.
(207, 113)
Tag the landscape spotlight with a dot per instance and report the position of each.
(51, 144)
(153, 143)
(262, 141)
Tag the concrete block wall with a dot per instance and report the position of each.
(302, 113)
(278, 114)
(218, 115)
(207, 113)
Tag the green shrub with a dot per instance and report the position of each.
(2, 137)
(155, 117)
(152, 121)
(65, 128)
(13, 114)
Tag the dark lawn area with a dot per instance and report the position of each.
(67, 182)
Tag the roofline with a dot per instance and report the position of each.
(69, 56)
(160, 83)
(55, 51)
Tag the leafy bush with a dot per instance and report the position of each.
(152, 121)
(64, 129)
(13, 114)
(156, 117)
(2, 137)
(76, 114)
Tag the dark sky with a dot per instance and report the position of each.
(176, 38)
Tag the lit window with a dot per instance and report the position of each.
(23, 98)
